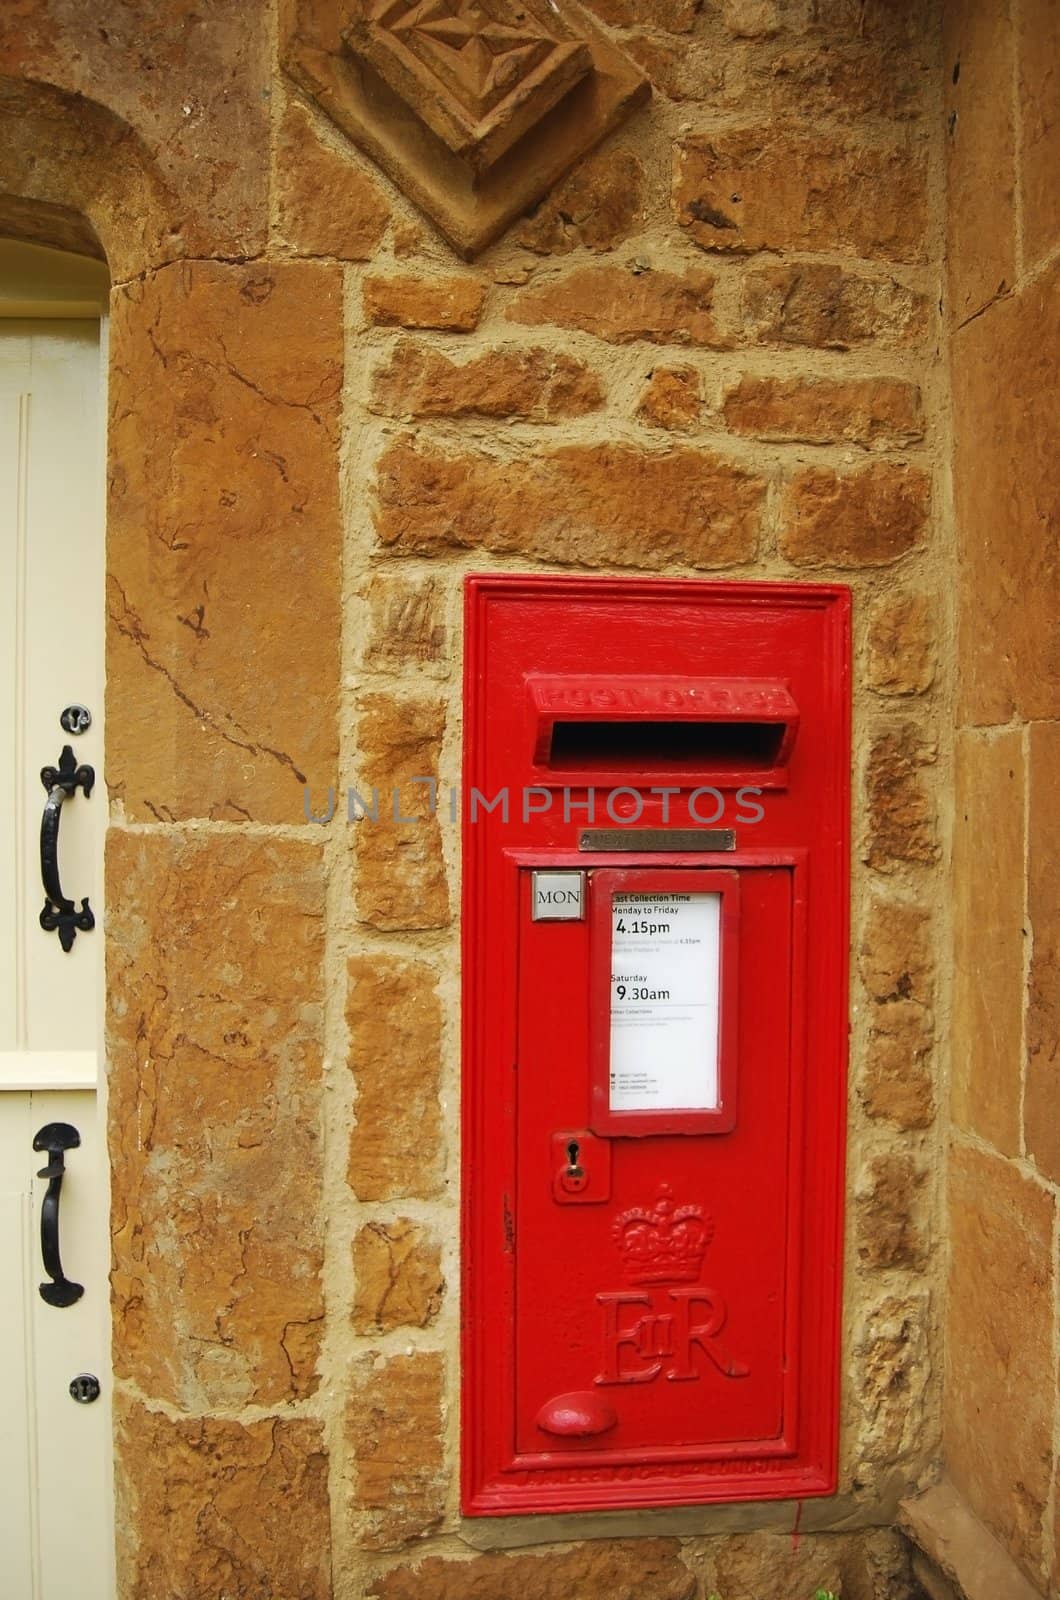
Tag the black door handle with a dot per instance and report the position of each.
(56, 1138)
(60, 915)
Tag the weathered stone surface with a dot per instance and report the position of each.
(751, 19)
(681, 68)
(851, 79)
(538, 385)
(587, 504)
(989, 937)
(880, 413)
(623, 305)
(395, 1428)
(183, 88)
(596, 207)
(215, 947)
(999, 1344)
(824, 307)
(885, 24)
(401, 880)
(672, 399)
(674, 16)
(397, 1148)
(453, 305)
(896, 1081)
(224, 417)
(771, 189)
(405, 625)
(892, 1355)
(1041, 1123)
(903, 649)
(1039, 114)
(630, 1569)
(207, 1507)
(863, 518)
(71, 176)
(979, 67)
(773, 1566)
(901, 808)
(897, 957)
(325, 204)
(889, 1213)
(1007, 491)
(397, 1276)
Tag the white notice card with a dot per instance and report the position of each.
(665, 993)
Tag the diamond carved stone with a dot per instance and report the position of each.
(474, 107)
(480, 72)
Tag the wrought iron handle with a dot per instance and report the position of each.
(56, 1138)
(60, 915)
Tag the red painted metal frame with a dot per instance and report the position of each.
(496, 1480)
(720, 1118)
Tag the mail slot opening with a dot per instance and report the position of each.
(693, 746)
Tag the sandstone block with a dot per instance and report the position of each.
(537, 385)
(879, 413)
(827, 308)
(394, 1016)
(401, 880)
(207, 1507)
(751, 19)
(596, 207)
(853, 519)
(593, 505)
(999, 1342)
(901, 810)
(215, 948)
(979, 60)
(225, 386)
(892, 1355)
(672, 399)
(903, 651)
(896, 1080)
(769, 189)
(395, 1426)
(989, 937)
(629, 1569)
(405, 624)
(771, 1566)
(855, 79)
(622, 306)
(897, 959)
(1041, 1124)
(1038, 47)
(452, 305)
(889, 1222)
(326, 204)
(1007, 492)
(398, 1276)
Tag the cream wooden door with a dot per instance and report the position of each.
(56, 1519)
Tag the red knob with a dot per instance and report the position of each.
(577, 1415)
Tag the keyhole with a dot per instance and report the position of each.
(572, 1157)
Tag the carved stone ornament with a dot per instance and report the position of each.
(474, 107)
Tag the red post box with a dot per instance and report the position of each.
(656, 884)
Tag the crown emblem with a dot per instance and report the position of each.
(664, 1245)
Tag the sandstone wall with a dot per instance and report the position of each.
(713, 349)
(1002, 73)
